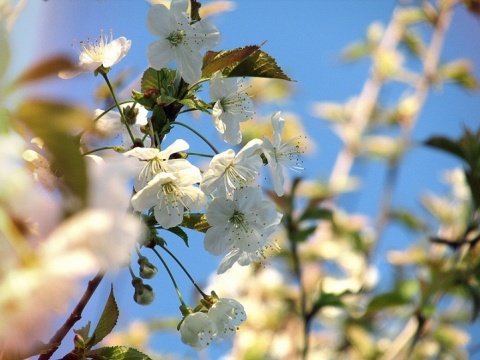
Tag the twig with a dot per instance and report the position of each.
(76, 315)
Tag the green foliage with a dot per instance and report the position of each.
(408, 219)
(4, 50)
(467, 148)
(117, 353)
(248, 61)
(459, 72)
(195, 221)
(107, 321)
(55, 123)
(44, 69)
(386, 300)
(177, 230)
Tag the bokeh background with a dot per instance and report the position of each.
(306, 38)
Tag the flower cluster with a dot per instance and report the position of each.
(219, 321)
(124, 194)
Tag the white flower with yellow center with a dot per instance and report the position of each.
(170, 194)
(241, 225)
(281, 155)
(232, 106)
(180, 40)
(99, 53)
(228, 172)
(156, 161)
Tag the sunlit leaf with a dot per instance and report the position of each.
(54, 123)
(409, 219)
(45, 68)
(195, 221)
(4, 51)
(84, 331)
(214, 61)
(386, 300)
(117, 353)
(180, 233)
(259, 64)
(107, 321)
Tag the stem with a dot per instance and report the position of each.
(198, 134)
(179, 294)
(117, 104)
(76, 315)
(184, 270)
(100, 149)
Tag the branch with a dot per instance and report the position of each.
(76, 315)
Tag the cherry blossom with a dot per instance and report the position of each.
(232, 106)
(180, 39)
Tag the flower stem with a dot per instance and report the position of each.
(117, 104)
(179, 294)
(184, 270)
(198, 134)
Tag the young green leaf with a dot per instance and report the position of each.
(107, 321)
(117, 353)
(195, 221)
(258, 64)
(180, 233)
(214, 61)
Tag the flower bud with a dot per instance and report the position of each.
(147, 269)
(144, 294)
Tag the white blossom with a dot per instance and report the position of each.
(170, 194)
(227, 314)
(232, 106)
(198, 330)
(241, 225)
(179, 39)
(228, 172)
(281, 155)
(97, 53)
(157, 161)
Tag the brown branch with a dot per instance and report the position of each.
(76, 315)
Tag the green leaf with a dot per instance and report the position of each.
(196, 104)
(446, 144)
(84, 332)
(409, 219)
(303, 234)
(328, 299)
(117, 353)
(314, 213)
(195, 221)
(460, 72)
(45, 68)
(386, 300)
(355, 51)
(54, 123)
(107, 321)
(214, 61)
(258, 64)
(5, 50)
(5, 119)
(180, 233)
(158, 79)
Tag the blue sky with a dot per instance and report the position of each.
(305, 37)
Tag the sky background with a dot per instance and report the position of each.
(305, 37)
